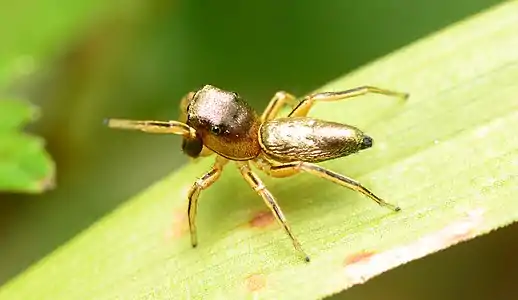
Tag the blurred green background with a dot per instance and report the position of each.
(83, 61)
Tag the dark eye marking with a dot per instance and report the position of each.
(216, 130)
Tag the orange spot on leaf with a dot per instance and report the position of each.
(255, 282)
(358, 257)
(459, 230)
(262, 219)
(180, 224)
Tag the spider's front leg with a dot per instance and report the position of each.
(184, 103)
(202, 183)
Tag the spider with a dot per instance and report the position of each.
(220, 122)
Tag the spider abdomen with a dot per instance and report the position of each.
(310, 140)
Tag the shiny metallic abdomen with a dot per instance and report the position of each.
(310, 140)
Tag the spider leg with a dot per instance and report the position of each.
(292, 168)
(167, 127)
(201, 184)
(305, 105)
(278, 101)
(269, 200)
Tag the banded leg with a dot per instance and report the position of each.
(289, 169)
(202, 183)
(278, 101)
(268, 198)
(304, 106)
(171, 127)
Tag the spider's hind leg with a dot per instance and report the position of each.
(292, 168)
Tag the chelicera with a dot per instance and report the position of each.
(218, 122)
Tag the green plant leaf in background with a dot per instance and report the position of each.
(448, 157)
(25, 166)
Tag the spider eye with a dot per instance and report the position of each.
(216, 130)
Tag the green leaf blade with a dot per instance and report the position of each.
(448, 157)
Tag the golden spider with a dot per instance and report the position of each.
(215, 121)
